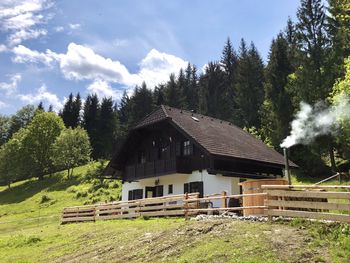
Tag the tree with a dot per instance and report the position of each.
(277, 108)
(107, 128)
(90, 121)
(76, 108)
(12, 160)
(71, 111)
(38, 142)
(70, 149)
(5, 123)
(340, 97)
(173, 93)
(249, 90)
(21, 119)
(313, 43)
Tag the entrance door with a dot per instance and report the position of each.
(150, 192)
(154, 191)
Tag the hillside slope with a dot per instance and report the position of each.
(30, 231)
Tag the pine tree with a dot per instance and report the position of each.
(76, 108)
(141, 103)
(277, 105)
(107, 125)
(172, 93)
(314, 45)
(229, 63)
(90, 122)
(158, 95)
(67, 112)
(249, 86)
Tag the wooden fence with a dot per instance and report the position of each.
(305, 201)
(173, 205)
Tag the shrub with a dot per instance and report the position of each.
(81, 194)
(44, 198)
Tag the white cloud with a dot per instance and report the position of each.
(3, 48)
(10, 88)
(74, 26)
(103, 89)
(3, 105)
(156, 67)
(26, 55)
(20, 18)
(58, 28)
(42, 94)
(81, 63)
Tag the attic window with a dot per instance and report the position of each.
(194, 118)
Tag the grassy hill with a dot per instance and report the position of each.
(30, 231)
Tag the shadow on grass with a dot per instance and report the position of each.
(21, 192)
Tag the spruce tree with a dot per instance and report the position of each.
(107, 125)
(76, 108)
(67, 112)
(172, 93)
(90, 122)
(277, 105)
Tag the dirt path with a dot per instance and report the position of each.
(230, 240)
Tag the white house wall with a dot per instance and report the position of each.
(211, 184)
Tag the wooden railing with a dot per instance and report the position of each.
(172, 205)
(305, 201)
(186, 205)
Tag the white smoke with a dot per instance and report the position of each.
(311, 122)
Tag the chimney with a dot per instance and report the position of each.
(286, 163)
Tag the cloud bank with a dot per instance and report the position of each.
(82, 63)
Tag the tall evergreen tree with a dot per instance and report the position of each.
(314, 45)
(90, 122)
(107, 125)
(76, 108)
(173, 93)
(229, 63)
(277, 108)
(67, 112)
(158, 95)
(249, 86)
(142, 104)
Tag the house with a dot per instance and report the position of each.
(173, 151)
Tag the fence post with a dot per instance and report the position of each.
(266, 203)
(186, 206)
(224, 201)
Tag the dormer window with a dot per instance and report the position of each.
(186, 148)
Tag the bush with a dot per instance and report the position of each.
(44, 198)
(81, 194)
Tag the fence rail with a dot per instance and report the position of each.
(329, 202)
(173, 205)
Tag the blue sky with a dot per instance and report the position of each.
(51, 48)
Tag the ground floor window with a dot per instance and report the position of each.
(170, 189)
(135, 194)
(194, 187)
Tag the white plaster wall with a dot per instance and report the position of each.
(212, 184)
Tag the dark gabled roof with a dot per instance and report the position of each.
(216, 136)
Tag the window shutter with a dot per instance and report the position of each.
(159, 190)
(130, 195)
(186, 188)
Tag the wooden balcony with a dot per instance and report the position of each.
(180, 164)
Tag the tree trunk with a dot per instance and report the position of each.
(68, 173)
(9, 185)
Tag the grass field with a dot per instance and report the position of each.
(30, 231)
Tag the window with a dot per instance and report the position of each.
(170, 189)
(135, 194)
(186, 148)
(194, 187)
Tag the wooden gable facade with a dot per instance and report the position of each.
(173, 141)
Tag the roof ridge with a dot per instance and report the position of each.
(149, 114)
(202, 115)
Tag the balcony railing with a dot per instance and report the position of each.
(180, 164)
